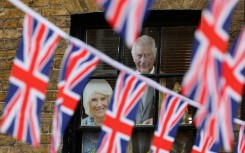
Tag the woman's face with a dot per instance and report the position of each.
(98, 105)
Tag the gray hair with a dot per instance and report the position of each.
(147, 40)
(100, 86)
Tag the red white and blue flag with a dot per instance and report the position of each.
(219, 122)
(28, 81)
(204, 81)
(240, 148)
(77, 65)
(171, 114)
(211, 39)
(126, 16)
(204, 144)
(230, 94)
(120, 116)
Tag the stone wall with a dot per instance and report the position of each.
(59, 12)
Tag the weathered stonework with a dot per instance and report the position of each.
(59, 13)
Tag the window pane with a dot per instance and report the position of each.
(174, 84)
(183, 141)
(90, 141)
(176, 49)
(140, 141)
(107, 42)
(188, 116)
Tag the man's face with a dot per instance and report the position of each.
(144, 59)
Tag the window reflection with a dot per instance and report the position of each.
(176, 49)
(106, 41)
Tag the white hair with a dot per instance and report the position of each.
(100, 86)
(148, 40)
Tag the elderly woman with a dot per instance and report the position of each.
(96, 97)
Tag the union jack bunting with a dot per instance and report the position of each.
(219, 122)
(240, 148)
(230, 94)
(204, 144)
(126, 16)
(120, 116)
(211, 38)
(172, 112)
(28, 82)
(77, 66)
(203, 82)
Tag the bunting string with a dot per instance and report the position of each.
(106, 58)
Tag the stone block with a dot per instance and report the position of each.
(38, 3)
(9, 44)
(45, 138)
(60, 21)
(2, 96)
(53, 11)
(10, 33)
(10, 54)
(4, 149)
(2, 55)
(11, 13)
(6, 140)
(7, 65)
(52, 85)
(54, 76)
(1, 24)
(11, 23)
(51, 95)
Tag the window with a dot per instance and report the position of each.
(173, 33)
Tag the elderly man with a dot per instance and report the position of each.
(144, 56)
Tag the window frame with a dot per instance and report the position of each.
(81, 22)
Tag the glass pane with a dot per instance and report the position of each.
(188, 116)
(176, 49)
(127, 56)
(95, 100)
(183, 141)
(140, 142)
(90, 141)
(107, 42)
(174, 84)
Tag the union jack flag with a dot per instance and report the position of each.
(225, 108)
(203, 82)
(219, 121)
(28, 82)
(240, 148)
(223, 111)
(211, 38)
(172, 112)
(120, 116)
(126, 16)
(205, 144)
(77, 65)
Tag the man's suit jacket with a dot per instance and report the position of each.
(146, 106)
(140, 141)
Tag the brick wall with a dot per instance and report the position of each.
(58, 12)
